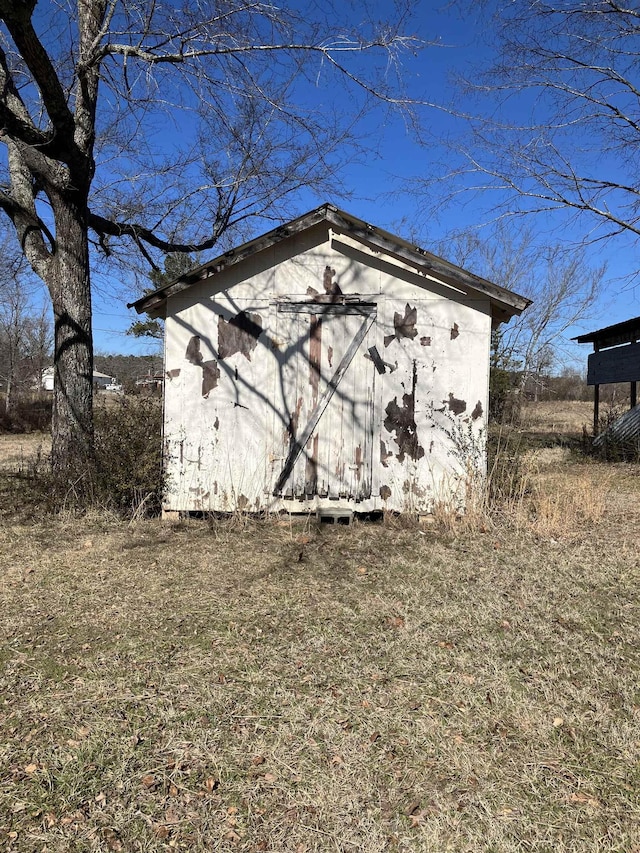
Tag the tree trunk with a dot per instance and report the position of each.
(72, 452)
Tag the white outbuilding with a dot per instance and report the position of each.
(327, 366)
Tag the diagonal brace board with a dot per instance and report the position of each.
(297, 444)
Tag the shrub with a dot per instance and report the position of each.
(128, 437)
(28, 413)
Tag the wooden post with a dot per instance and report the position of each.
(596, 401)
(633, 394)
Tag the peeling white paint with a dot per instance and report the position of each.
(384, 439)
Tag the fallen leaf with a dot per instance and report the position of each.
(584, 799)
(258, 759)
(149, 781)
(374, 737)
(557, 722)
(30, 768)
(505, 812)
(269, 777)
(171, 816)
(211, 784)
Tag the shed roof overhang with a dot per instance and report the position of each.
(504, 303)
(627, 332)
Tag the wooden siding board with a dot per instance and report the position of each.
(620, 364)
(232, 445)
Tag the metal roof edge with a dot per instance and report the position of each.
(616, 330)
(508, 302)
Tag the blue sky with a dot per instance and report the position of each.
(382, 185)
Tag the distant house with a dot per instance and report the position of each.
(325, 366)
(100, 380)
(150, 382)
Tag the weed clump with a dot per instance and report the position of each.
(129, 479)
(128, 446)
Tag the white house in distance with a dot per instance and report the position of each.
(325, 366)
(101, 381)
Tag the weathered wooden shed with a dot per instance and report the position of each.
(615, 359)
(325, 366)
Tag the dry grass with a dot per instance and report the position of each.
(19, 452)
(247, 686)
(257, 687)
(558, 416)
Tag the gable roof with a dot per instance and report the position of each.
(504, 303)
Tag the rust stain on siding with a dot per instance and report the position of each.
(239, 334)
(330, 356)
(385, 493)
(311, 469)
(292, 426)
(455, 331)
(210, 370)
(477, 412)
(315, 355)
(210, 376)
(404, 326)
(410, 487)
(402, 421)
(359, 462)
(315, 362)
(331, 287)
(193, 354)
(216, 423)
(456, 406)
(425, 341)
(384, 454)
(173, 374)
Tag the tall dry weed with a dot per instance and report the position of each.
(526, 495)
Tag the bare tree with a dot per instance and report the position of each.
(554, 117)
(25, 329)
(561, 284)
(162, 126)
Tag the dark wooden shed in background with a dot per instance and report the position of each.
(615, 358)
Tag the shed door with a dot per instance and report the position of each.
(327, 388)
